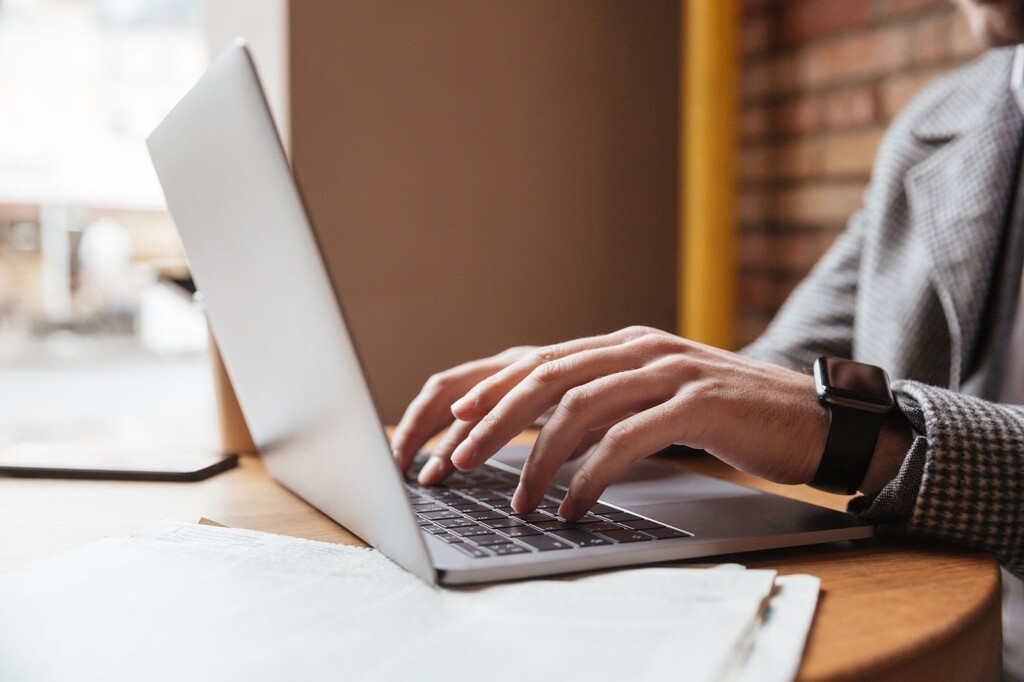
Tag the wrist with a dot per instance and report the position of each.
(806, 425)
(816, 439)
(894, 442)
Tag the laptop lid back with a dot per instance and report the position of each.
(273, 309)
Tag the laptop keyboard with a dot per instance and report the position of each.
(472, 512)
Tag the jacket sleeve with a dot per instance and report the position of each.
(817, 318)
(963, 480)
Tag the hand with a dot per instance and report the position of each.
(635, 392)
(430, 412)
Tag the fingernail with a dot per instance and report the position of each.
(429, 471)
(466, 402)
(567, 510)
(463, 455)
(520, 499)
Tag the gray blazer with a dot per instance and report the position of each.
(906, 286)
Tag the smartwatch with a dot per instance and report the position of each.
(858, 399)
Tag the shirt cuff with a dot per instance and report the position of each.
(963, 477)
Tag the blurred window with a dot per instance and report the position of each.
(96, 341)
(81, 85)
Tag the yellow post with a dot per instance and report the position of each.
(709, 71)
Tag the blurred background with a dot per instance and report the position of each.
(481, 174)
(97, 341)
(820, 81)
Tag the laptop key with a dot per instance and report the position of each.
(490, 539)
(533, 517)
(520, 531)
(468, 531)
(602, 526)
(545, 543)
(485, 515)
(438, 515)
(472, 551)
(590, 518)
(581, 537)
(626, 535)
(468, 506)
(454, 523)
(621, 516)
(503, 522)
(423, 507)
(553, 524)
(642, 524)
(434, 530)
(663, 533)
(449, 538)
(505, 550)
(435, 490)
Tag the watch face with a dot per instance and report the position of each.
(856, 381)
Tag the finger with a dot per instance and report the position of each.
(485, 395)
(583, 409)
(543, 387)
(626, 442)
(430, 410)
(590, 440)
(439, 466)
(425, 417)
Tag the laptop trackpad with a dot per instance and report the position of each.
(646, 483)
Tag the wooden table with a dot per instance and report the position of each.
(888, 609)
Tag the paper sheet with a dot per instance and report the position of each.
(779, 644)
(182, 601)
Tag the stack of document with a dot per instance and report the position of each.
(183, 601)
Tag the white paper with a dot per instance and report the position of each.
(779, 645)
(182, 601)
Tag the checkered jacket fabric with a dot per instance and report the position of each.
(906, 287)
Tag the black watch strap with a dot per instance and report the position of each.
(852, 436)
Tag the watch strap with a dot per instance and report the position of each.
(852, 436)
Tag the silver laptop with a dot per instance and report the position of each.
(299, 380)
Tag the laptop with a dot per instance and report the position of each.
(282, 331)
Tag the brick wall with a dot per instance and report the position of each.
(821, 80)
